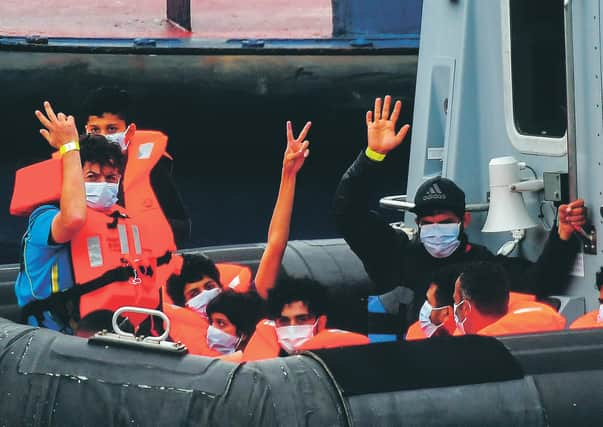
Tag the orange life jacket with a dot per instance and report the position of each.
(190, 328)
(264, 342)
(144, 152)
(333, 338)
(416, 333)
(36, 185)
(110, 255)
(40, 184)
(589, 320)
(526, 317)
(234, 276)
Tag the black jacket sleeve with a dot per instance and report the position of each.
(170, 200)
(550, 273)
(371, 238)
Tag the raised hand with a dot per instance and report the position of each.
(297, 149)
(60, 129)
(381, 127)
(571, 218)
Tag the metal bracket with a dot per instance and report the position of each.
(36, 39)
(121, 338)
(252, 43)
(361, 42)
(589, 240)
(144, 42)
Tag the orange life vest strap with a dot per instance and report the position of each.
(55, 301)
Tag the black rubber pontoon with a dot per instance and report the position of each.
(53, 379)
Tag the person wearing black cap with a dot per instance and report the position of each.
(391, 259)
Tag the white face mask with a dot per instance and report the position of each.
(600, 315)
(440, 240)
(221, 341)
(101, 195)
(425, 319)
(460, 324)
(199, 302)
(119, 138)
(292, 337)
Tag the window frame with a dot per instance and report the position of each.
(527, 144)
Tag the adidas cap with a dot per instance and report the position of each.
(439, 194)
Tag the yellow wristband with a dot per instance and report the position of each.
(70, 146)
(373, 155)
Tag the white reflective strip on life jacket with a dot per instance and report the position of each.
(145, 150)
(136, 237)
(123, 238)
(234, 282)
(94, 251)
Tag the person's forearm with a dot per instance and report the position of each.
(72, 215)
(278, 235)
(278, 232)
(352, 194)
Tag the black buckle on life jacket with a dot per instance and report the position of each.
(116, 215)
(56, 303)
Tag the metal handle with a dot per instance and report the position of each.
(400, 203)
(141, 310)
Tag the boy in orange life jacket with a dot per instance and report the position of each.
(298, 322)
(592, 319)
(199, 280)
(196, 285)
(198, 276)
(232, 318)
(89, 180)
(436, 317)
(481, 305)
(106, 111)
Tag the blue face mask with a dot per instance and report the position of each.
(101, 195)
(221, 341)
(119, 138)
(440, 240)
(425, 319)
(199, 302)
(460, 324)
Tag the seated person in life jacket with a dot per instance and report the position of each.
(232, 318)
(436, 317)
(592, 319)
(85, 255)
(197, 283)
(482, 305)
(199, 280)
(191, 291)
(106, 111)
(392, 260)
(297, 321)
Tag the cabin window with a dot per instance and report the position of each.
(538, 67)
